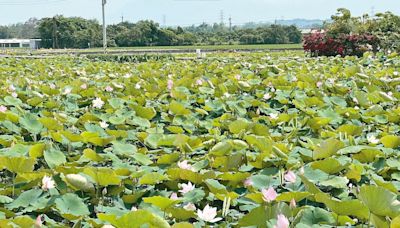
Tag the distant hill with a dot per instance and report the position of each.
(302, 23)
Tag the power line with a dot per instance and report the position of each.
(30, 3)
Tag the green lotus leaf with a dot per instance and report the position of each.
(5, 199)
(347, 207)
(178, 108)
(327, 148)
(314, 215)
(25, 199)
(239, 125)
(135, 219)
(391, 141)
(125, 149)
(71, 204)
(54, 157)
(103, 176)
(31, 123)
(380, 201)
(152, 178)
(17, 164)
(145, 112)
(160, 202)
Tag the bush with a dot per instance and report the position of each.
(320, 44)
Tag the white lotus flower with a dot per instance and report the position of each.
(137, 86)
(274, 116)
(83, 86)
(208, 214)
(14, 94)
(108, 226)
(185, 188)
(267, 96)
(48, 183)
(109, 88)
(98, 103)
(11, 88)
(372, 139)
(67, 90)
(104, 124)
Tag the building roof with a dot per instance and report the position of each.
(7, 41)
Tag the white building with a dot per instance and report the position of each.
(20, 43)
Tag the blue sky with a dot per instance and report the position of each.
(187, 12)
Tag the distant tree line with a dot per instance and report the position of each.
(26, 30)
(76, 32)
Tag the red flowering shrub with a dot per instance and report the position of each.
(319, 44)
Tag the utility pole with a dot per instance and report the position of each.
(104, 2)
(164, 19)
(222, 17)
(230, 23)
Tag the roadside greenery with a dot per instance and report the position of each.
(347, 35)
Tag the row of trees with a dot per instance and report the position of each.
(21, 30)
(76, 32)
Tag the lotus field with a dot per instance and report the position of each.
(249, 140)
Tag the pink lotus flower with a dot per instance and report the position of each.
(319, 84)
(170, 84)
(282, 222)
(290, 177)
(184, 165)
(83, 86)
(269, 195)
(11, 88)
(293, 203)
(248, 182)
(174, 196)
(48, 183)
(3, 109)
(14, 95)
(109, 88)
(208, 214)
(189, 207)
(199, 82)
(52, 86)
(238, 77)
(98, 103)
(185, 188)
(38, 222)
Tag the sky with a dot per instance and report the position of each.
(188, 12)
